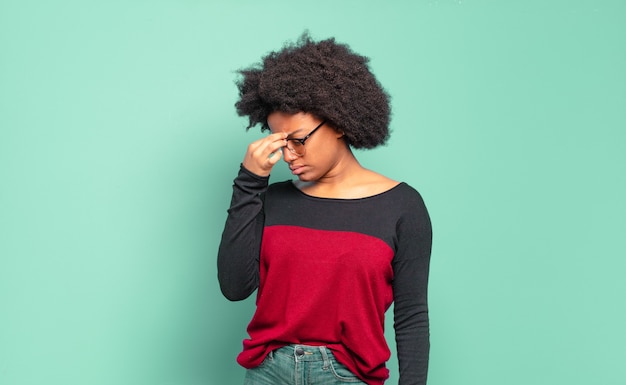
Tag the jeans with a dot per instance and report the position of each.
(300, 365)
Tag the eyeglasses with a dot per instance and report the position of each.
(296, 145)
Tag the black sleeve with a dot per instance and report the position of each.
(411, 265)
(239, 250)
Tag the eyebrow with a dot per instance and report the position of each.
(290, 136)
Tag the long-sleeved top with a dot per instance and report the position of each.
(327, 270)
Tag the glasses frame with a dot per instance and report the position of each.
(303, 140)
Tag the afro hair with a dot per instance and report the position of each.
(324, 78)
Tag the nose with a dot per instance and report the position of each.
(288, 156)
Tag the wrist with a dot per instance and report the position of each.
(254, 173)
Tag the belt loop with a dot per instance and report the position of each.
(325, 356)
(295, 352)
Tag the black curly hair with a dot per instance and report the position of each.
(324, 78)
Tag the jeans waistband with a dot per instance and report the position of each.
(305, 353)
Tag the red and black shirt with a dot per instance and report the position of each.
(327, 270)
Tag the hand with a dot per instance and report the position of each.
(264, 153)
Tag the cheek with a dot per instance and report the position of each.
(327, 152)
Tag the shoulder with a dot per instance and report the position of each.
(408, 192)
(282, 186)
(412, 210)
(374, 183)
(404, 198)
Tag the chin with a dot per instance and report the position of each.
(305, 178)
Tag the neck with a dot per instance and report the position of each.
(344, 174)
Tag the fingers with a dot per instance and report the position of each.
(264, 153)
(275, 156)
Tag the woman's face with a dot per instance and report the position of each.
(322, 149)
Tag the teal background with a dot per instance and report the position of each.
(119, 142)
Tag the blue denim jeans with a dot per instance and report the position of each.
(300, 365)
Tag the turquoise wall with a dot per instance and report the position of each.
(119, 142)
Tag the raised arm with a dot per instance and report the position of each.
(238, 254)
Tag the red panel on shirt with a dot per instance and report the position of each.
(337, 287)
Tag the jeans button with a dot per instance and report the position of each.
(299, 351)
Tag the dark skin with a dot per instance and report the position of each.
(328, 169)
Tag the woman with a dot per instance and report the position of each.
(330, 251)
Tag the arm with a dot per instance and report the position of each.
(238, 255)
(411, 265)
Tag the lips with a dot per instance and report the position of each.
(296, 169)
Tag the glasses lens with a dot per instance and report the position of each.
(295, 147)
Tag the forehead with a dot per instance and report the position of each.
(290, 123)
